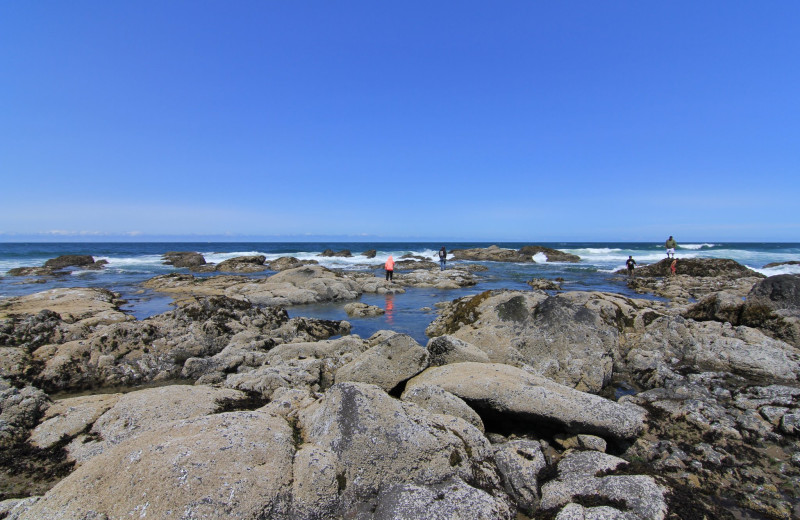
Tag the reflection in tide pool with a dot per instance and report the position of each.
(389, 308)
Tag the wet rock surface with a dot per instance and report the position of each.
(59, 265)
(523, 404)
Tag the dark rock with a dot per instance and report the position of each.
(698, 267)
(773, 306)
(497, 254)
(243, 264)
(289, 262)
(345, 253)
(369, 253)
(69, 260)
(408, 265)
(721, 306)
(183, 258)
(553, 255)
(492, 253)
(778, 264)
(30, 271)
(781, 292)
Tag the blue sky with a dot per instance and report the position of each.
(530, 121)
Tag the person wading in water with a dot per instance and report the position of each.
(630, 264)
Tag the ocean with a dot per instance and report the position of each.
(131, 263)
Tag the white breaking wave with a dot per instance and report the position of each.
(781, 269)
(695, 246)
(143, 260)
(540, 258)
(215, 258)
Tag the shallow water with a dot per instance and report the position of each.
(130, 264)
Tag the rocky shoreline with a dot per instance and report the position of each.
(535, 404)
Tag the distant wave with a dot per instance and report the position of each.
(593, 251)
(696, 246)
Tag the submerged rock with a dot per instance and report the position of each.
(362, 310)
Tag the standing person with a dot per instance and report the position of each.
(389, 268)
(631, 263)
(442, 257)
(673, 267)
(670, 245)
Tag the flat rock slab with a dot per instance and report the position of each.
(72, 304)
(509, 390)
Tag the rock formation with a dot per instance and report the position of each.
(525, 254)
(522, 404)
(183, 259)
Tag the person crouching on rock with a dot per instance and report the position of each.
(442, 258)
(631, 263)
(389, 268)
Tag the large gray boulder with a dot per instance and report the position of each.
(228, 465)
(381, 454)
(146, 410)
(570, 340)
(306, 284)
(443, 350)
(387, 364)
(708, 346)
(527, 398)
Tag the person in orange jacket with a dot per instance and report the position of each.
(389, 268)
